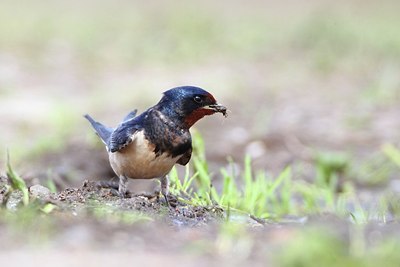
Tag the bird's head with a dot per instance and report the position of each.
(189, 104)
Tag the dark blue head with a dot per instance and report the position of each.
(189, 104)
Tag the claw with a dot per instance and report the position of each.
(167, 201)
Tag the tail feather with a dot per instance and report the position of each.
(102, 131)
(130, 115)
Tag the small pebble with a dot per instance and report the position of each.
(14, 200)
(39, 191)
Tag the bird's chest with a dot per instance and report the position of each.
(140, 160)
(168, 137)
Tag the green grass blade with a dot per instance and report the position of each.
(281, 178)
(17, 182)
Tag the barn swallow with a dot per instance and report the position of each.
(148, 145)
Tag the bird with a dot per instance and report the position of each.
(148, 145)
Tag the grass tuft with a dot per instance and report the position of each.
(17, 183)
(261, 195)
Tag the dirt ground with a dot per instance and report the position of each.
(85, 230)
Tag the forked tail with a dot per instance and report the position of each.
(102, 131)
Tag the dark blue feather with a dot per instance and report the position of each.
(102, 131)
(130, 115)
(122, 135)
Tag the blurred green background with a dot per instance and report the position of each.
(297, 76)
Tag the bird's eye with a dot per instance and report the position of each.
(197, 99)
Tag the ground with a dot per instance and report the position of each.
(312, 86)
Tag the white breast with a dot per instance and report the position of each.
(138, 161)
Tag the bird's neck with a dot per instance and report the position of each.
(172, 116)
(167, 133)
(180, 118)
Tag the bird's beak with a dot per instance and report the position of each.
(217, 108)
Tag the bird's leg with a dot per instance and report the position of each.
(165, 188)
(122, 188)
(115, 187)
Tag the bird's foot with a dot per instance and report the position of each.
(114, 188)
(170, 200)
(126, 194)
(108, 184)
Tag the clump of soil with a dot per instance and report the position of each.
(89, 195)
